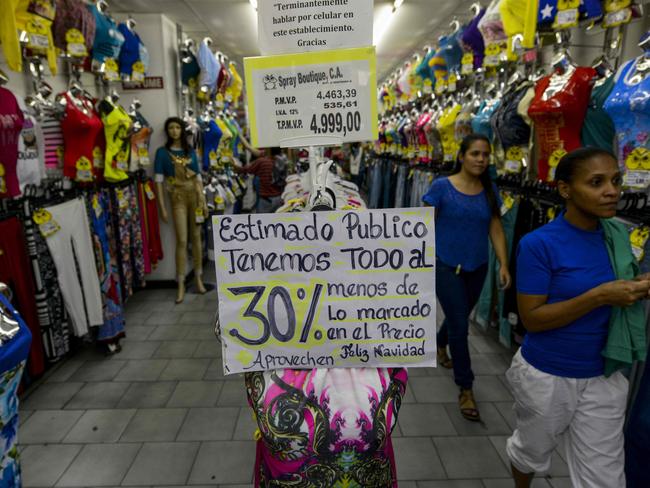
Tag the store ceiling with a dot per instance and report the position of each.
(232, 24)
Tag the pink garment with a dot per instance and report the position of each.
(326, 427)
(422, 137)
(11, 124)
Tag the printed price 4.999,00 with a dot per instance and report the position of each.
(332, 123)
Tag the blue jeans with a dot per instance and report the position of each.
(457, 294)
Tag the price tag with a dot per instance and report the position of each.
(614, 19)
(98, 157)
(84, 170)
(148, 191)
(427, 86)
(97, 208)
(3, 179)
(75, 44)
(638, 179)
(38, 41)
(512, 166)
(218, 101)
(111, 70)
(325, 305)
(47, 226)
(565, 19)
(143, 155)
(219, 202)
(137, 71)
(508, 203)
(638, 238)
(122, 200)
(451, 83)
(199, 218)
(312, 98)
(467, 64)
(492, 56)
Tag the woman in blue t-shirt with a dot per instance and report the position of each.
(467, 209)
(566, 288)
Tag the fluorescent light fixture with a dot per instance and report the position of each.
(254, 3)
(381, 24)
(397, 4)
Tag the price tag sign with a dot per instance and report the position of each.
(287, 26)
(326, 289)
(312, 98)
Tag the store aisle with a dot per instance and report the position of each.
(161, 413)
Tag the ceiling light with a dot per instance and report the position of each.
(254, 3)
(381, 23)
(397, 4)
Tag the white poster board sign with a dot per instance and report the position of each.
(326, 289)
(307, 99)
(292, 26)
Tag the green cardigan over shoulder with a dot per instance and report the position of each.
(626, 341)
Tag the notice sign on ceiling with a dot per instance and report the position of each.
(326, 289)
(312, 98)
(290, 26)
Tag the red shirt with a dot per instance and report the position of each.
(263, 168)
(558, 120)
(11, 123)
(80, 132)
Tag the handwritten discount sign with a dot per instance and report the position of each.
(330, 289)
(320, 98)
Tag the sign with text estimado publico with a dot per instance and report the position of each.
(326, 289)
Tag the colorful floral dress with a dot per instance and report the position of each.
(326, 428)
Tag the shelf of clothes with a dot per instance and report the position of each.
(72, 258)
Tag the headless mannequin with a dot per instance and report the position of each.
(186, 194)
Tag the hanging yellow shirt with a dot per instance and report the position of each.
(9, 35)
(39, 31)
(235, 88)
(118, 147)
(225, 144)
(447, 128)
(519, 17)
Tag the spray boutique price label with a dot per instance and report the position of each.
(312, 98)
(326, 289)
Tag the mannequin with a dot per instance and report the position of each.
(177, 166)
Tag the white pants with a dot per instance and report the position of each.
(74, 241)
(588, 413)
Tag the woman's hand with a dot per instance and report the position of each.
(505, 280)
(623, 293)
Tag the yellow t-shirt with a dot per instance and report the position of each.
(118, 147)
(447, 128)
(39, 30)
(225, 144)
(519, 17)
(9, 35)
(237, 84)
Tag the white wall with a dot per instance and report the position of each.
(159, 34)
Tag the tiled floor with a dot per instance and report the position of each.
(161, 413)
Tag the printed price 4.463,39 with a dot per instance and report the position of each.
(333, 123)
(337, 94)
